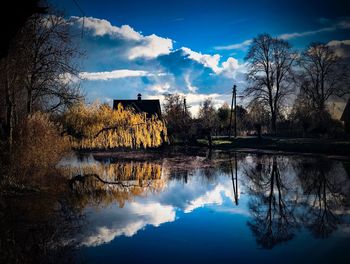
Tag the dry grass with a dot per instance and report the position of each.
(37, 148)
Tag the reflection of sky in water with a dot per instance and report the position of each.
(104, 224)
(188, 215)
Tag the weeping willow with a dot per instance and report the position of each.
(100, 127)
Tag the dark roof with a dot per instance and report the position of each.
(346, 113)
(151, 107)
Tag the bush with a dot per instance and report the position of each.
(37, 148)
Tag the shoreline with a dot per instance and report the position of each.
(202, 150)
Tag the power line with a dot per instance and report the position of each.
(80, 9)
(83, 14)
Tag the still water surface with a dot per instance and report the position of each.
(242, 208)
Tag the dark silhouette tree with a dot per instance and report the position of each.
(37, 70)
(47, 52)
(324, 75)
(208, 119)
(258, 117)
(269, 73)
(178, 118)
(223, 114)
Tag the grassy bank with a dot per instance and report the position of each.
(300, 145)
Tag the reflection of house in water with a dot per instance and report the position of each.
(150, 107)
(346, 117)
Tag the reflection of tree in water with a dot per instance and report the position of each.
(327, 191)
(271, 207)
(103, 184)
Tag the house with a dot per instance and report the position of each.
(150, 107)
(346, 117)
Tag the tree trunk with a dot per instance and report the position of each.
(273, 123)
(9, 113)
(29, 101)
(9, 119)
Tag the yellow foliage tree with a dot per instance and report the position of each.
(100, 127)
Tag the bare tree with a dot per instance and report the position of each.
(258, 117)
(177, 116)
(223, 115)
(48, 54)
(323, 75)
(269, 73)
(11, 88)
(207, 114)
(37, 68)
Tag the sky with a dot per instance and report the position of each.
(195, 48)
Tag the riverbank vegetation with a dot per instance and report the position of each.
(40, 53)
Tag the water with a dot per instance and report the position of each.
(242, 208)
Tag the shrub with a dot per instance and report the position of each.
(38, 146)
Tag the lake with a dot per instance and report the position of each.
(208, 208)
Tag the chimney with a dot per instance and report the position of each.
(139, 97)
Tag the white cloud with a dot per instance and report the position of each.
(228, 67)
(108, 75)
(141, 46)
(288, 36)
(340, 47)
(339, 42)
(159, 88)
(189, 85)
(102, 27)
(210, 61)
(152, 47)
(241, 45)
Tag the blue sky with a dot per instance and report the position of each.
(195, 48)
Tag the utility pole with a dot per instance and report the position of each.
(235, 93)
(185, 108)
(233, 101)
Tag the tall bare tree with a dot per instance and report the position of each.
(48, 55)
(270, 63)
(324, 75)
(35, 70)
